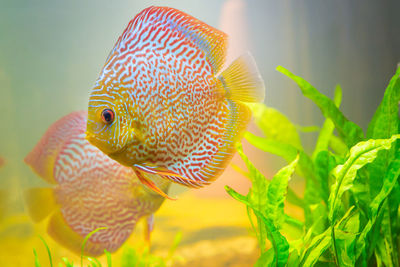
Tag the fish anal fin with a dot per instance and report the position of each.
(40, 202)
(241, 81)
(60, 231)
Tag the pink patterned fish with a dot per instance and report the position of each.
(163, 105)
(90, 190)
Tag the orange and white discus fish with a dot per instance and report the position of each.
(90, 190)
(162, 105)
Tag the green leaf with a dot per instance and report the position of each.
(318, 226)
(384, 124)
(48, 251)
(276, 194)
(382, 253)
(387, 236)
(177, 240)
(305, 168)
(360, 155)
(108, 256)
(93, 261)
(278, 241)
(318, 217)
(282, 138)
(67, 262)
(308, 129)
(294, 222)
(393, 203)
(129, 257)
(270, 214)
(257, 195)
(239, 197)
(86, 239)
(389, 182)
(345, 175)
(361, 191)
(294, 257)
(337, 146)
(37, 263)
(292, 197)
(313, 193)
(266, 259)
(260, 230)
(324, 163)
(275, 125)
(286, 151)
(319, 244)
(349, 131)
(385, 121)
(345, 240)
(328, 127)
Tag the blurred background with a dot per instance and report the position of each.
(51, 52)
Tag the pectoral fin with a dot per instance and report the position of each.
(170, 175)
(149, 183)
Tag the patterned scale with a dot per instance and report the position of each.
(92, 190)
(173, 114)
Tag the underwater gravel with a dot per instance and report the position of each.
(232, 252)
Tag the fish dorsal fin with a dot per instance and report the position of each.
(152, 20)
(43, 156)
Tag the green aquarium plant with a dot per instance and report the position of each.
(352, 194)
(129, 258)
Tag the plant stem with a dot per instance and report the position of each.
(334, 246)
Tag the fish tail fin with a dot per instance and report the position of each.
(241, 81)
(40, 202)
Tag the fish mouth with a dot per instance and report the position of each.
(102, 145)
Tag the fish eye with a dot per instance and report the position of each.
(107, 115)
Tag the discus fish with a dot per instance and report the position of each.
(162, 105)
(90, 190)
